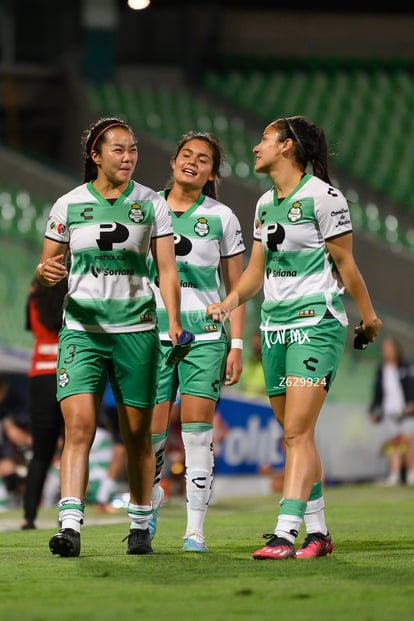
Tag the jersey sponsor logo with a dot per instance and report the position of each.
(110, 257)
(57, 227)
(286, 335)
(188, 285)
(136, 214)
(201, 227)
(295, 212)
(63, 378)
(183, 283)
(182, 245)
(273, 235)
(343, 222)
(280, 273)
(343, 217)
(108, 271)
(339, 212)
(111, 233)
(87, 213)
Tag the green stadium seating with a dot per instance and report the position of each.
(353, 107)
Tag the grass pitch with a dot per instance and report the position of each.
(369, 576)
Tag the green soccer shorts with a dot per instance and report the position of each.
(300, 356)
(130, 360)
(200, 374)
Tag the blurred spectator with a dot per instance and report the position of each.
(220, 431)
(108, 483)
(252, 381)
(15, 439)
(393, 405)
(173, 471)
(253, 386)
(44, 319)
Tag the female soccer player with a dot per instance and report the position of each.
(209, 249)
(106, 227)
(302, 257)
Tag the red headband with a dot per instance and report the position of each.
(119, 124)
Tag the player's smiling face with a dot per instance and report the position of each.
(267, 151)
(193, 165)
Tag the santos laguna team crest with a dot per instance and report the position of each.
(201, 227)
(135, 213)
(63, 378)
(295, 212)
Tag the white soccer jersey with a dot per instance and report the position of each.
(203, 235)
(108, 286)
(300, 280)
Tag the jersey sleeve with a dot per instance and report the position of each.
(332, 212)
(232, 242)
(257, 226)
(57, 227)
(162, 221)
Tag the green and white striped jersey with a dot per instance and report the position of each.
(300, 279)
(108, 285)
(203, 235)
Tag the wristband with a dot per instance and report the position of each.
(236, 343)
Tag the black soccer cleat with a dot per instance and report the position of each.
(139, 542)
(65, 543)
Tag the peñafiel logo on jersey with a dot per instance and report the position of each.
(135, 213)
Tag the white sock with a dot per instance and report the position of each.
(106, 488)
(71, 511)
(156, 495)
(159, 440)
(139, 516)
(290, 518)
(314, 517)
(199, 462)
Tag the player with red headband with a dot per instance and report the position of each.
(107, 226)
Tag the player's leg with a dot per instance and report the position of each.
(135, 397)
(81, 381)
(200, 383)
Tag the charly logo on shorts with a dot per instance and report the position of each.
(295, 212)
(201, 227)
(135, 213)
(63, 378)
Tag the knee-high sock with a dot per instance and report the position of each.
(314, 517)
(159, 440)
(290, 518)
(199, 470)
